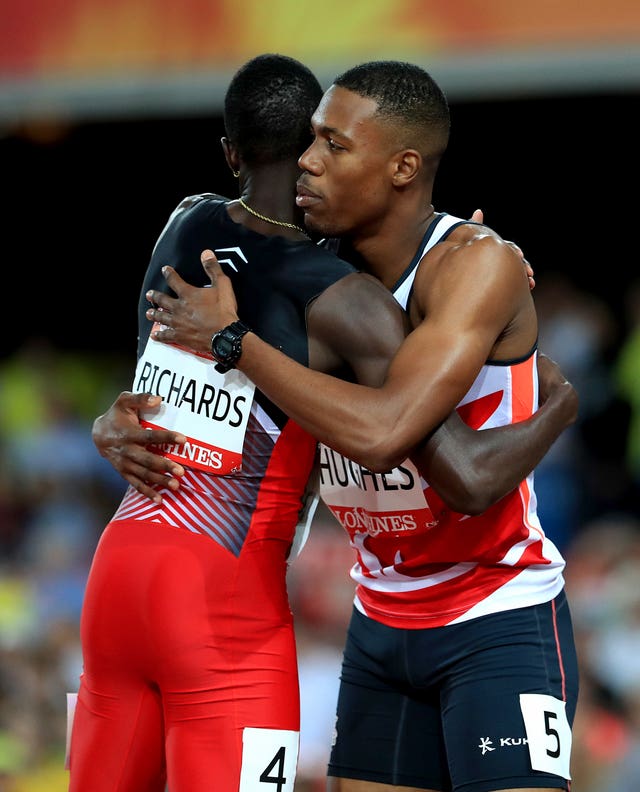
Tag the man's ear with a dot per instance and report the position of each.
(406, 166)
(231, 155)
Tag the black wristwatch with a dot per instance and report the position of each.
(226, 346)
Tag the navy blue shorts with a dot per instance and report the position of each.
(481, 705)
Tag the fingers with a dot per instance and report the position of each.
(129, 402)
(129, 399)
(147, 484)
(515, 247)
(548, 369)
(550, 376)
(528, 268)
(160, 437)
(144, 489)
(145, 470)
(227, 304)
(478, 216)
(174, 280)
(211, 265)
(137, 402)
(530, 276)
(161, 300)
(554, 385)
(154, 469)
(137, 454)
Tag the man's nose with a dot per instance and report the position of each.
(308, 161)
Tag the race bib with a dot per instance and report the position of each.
(211, 409)
(269, 760)
(72, 700)
(374, 503)
(548, 733)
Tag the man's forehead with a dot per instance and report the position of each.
(344, 110)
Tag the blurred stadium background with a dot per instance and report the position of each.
(110, 113)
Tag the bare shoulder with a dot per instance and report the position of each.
(470, 251)
(473, 239)
(475, 279)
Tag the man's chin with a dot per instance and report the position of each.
(316, 226)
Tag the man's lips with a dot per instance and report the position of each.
(305, 197)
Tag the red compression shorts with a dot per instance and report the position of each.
(184, 646)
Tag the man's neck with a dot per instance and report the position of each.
(271, 188)
(387, 253)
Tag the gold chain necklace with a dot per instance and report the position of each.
(270, 220)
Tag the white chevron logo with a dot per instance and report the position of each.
(229, 261)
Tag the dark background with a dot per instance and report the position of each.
(86, 203)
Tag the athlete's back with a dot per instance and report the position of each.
(192, 590)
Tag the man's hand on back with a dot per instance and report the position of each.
(121, 440)
(196, 313)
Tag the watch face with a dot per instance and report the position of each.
(224, 347)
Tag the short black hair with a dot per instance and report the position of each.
(407, 96)
(268, 108)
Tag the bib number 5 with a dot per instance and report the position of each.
(548, 733)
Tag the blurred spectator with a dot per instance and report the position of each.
(603, 566)
(582, 473)
(48, 401)
(627, 378)
(56, 493)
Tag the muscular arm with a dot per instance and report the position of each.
(434, 367)
(471, 470)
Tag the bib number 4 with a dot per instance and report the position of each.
(269, 760)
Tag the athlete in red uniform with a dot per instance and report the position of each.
(460, 666)
(190, 672)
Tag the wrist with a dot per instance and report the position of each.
(226, 345)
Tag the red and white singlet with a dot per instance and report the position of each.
(419, 564)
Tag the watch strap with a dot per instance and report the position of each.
(232, 334)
